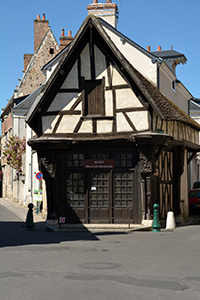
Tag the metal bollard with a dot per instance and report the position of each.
(29, 218)
(156, 224)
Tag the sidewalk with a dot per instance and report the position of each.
(40, 223)
(21, 212)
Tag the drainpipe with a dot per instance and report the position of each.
(31, 171)
(158, 74)
(189, 166)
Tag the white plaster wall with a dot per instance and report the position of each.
(68, 124)
(139, 60)
(122, 124)
(36, 184)
(86, 127)
(29, 165)
(139, 119)
(117, 79)
(50, 71)
(108, 103)
(104, 126)
(19, 125)
(72, 79)
(85, 63)
(177, 96)
(125, 98)
(62, 100)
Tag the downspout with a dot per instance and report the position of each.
(189, 166)
(12, 170)
(158, 75)
(31, 200)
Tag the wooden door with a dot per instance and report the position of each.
(123, 197)
(98, 201)
(75, 209)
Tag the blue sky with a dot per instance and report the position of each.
(155, 23)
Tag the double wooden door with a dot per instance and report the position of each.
(100, 197)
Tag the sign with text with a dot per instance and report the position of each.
(37, 195)
(99, 164)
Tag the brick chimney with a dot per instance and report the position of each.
(65, 40)
(107, 11)
(40, 28)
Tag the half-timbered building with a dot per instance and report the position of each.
(109, 143)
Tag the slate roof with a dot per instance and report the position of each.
(168, 54)
(28, 101)
(195, 105)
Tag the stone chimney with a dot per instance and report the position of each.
(65, 40)
(40, 28)
(107, 11)
(27, 59)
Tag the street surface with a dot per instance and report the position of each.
(137, 265)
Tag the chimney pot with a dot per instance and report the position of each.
(38, 17)
(159, 48)
(43, 18)
(65, 40)
(108, 11)
(148, 49)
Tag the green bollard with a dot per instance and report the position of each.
(156, 224)
(29, 218)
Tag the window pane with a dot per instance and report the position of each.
(123, 189)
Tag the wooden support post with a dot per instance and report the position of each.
(148, 182)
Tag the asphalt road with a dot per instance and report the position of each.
(97, 265)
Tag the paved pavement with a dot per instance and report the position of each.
(40, 223)
(102, 265)
(21, 212)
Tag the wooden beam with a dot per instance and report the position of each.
(192, 156)
(131, 109)
(129, 122)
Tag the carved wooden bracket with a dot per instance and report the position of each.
(46, 162)
(146, 164)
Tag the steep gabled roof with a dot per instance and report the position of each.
(164, 108)
(34, 58)
(28, 101)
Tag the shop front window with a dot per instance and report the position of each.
(123, 160)
(75, 189)
(123, 189)
(75, 160)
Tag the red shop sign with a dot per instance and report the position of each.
(99, 164)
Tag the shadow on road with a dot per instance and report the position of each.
(15, 234)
